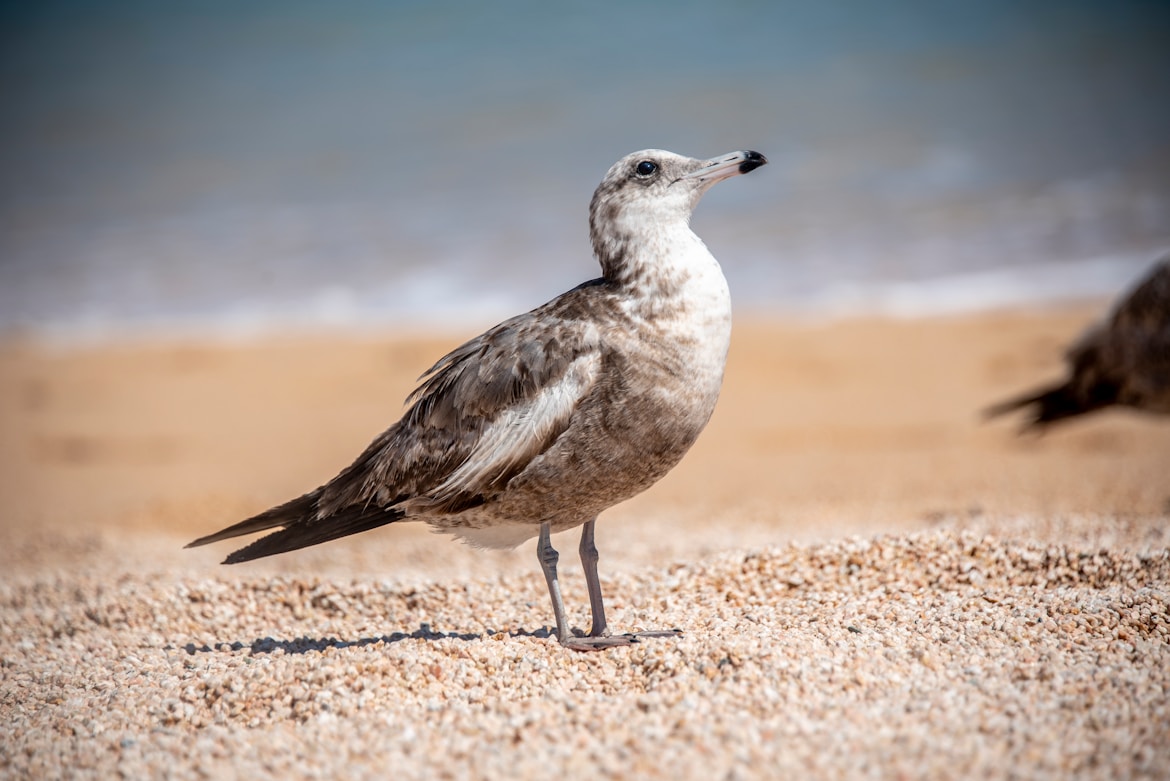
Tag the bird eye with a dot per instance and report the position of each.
(646, 167)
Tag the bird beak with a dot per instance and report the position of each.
(725, 166)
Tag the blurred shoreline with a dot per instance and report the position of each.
(342, 311)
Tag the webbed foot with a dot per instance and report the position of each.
(602, 642)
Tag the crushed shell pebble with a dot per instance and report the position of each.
(937, 655)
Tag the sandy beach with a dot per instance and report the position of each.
(870, 579)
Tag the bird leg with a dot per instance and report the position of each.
(589, 557)
(548, 562)
(599, 636)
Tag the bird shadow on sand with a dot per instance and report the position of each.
(304, 644)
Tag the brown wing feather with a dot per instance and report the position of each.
(457, 400)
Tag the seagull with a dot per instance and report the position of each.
(1123, 360)
(542, 422)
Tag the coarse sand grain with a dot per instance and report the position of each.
(938, 654)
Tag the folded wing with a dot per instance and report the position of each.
(480, 415)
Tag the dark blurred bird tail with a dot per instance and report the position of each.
(1046, 406)
(301, 509)
(301, 527)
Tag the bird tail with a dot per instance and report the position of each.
(301, 527)
(298, 510)
(1046, 405)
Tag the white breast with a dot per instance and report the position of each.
(687, 299)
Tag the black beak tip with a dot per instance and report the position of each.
(752, 161)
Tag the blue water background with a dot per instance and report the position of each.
(240, 166)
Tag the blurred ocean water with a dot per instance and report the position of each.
(233, 167)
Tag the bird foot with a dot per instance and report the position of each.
(602, 642)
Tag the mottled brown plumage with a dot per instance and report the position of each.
(547, 419)
(1124, 360)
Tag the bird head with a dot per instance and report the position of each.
(654, 189)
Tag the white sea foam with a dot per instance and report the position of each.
(998, 288)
